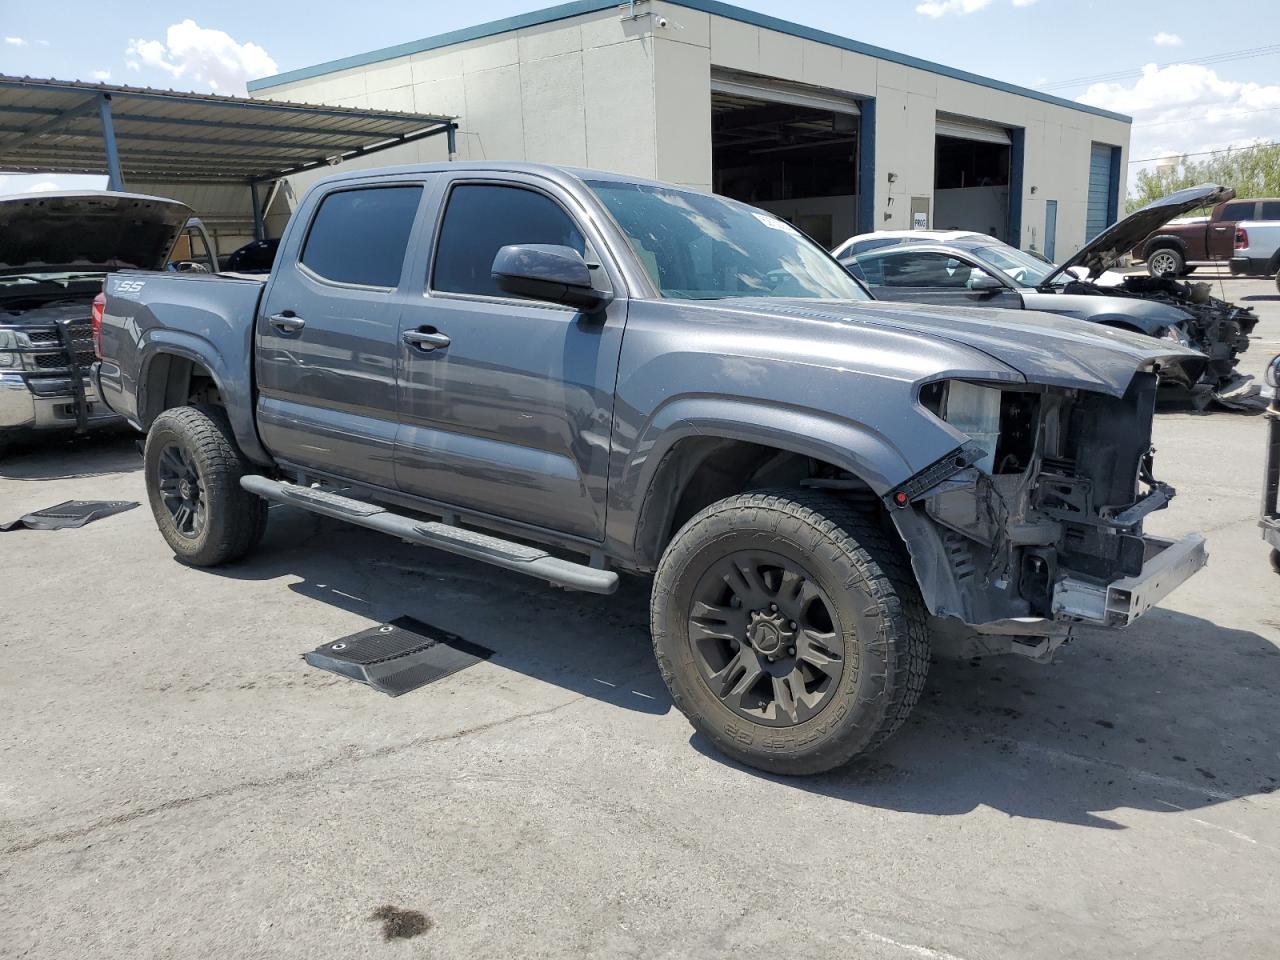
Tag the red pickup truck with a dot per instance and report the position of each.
(1181, 245)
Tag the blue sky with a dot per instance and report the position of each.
(1178, 105)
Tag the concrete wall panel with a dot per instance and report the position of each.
(553, 101)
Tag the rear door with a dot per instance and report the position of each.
(508, 413)
(328, 330)
(1222, 230)
(929, 276)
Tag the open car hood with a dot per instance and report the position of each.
(1105, 250)
(87, 231)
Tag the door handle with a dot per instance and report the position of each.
(286, 322)
(426, 339)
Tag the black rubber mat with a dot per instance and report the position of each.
(397, 657)
(72, 513)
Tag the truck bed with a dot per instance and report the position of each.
(205, 317)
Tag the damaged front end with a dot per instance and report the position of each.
(1218, 329)
(1034, 524)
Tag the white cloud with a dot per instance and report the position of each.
(16, 183)
(1188, 108)
(202, 56)
(15, 41)
(940, 8)
(102, 76)
(1023, 3)
(1163, 39)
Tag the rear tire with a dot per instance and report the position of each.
(789, 630)
(193, 469)
(1167, 261)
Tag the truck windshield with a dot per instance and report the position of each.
(700, 247)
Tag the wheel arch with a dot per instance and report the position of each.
(169, 368)
(708, 449)
(1165, 241)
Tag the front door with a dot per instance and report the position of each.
(506, 403)
(328, 333)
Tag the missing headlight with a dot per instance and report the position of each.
(1003, 423)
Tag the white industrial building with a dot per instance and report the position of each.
(838, 136)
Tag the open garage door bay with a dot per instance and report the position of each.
(972, 172)
(790, 149)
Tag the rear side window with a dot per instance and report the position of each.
(360, 236)
(1238, 211)
(482, 219)
(1270, 210)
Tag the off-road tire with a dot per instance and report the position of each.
(234, 520)
(866, 578)
(1158, 260)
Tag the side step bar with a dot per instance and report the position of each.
(530, 561)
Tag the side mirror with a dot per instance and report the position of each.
(985, 283)
(543, 271)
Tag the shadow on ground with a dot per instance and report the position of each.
(1174, 714)
(592, 645)
(71, 457)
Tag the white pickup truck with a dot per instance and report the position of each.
(1257, 249)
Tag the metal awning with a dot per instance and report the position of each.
(158, 136)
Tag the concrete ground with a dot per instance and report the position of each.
(176, 782)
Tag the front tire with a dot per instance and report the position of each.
(193, 469)
(789, 630)
(1166, 261)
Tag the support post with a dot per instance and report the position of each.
(867, 186)
(115, 181)
(259, 227)
(451, 134)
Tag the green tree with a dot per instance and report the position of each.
(1252, 171)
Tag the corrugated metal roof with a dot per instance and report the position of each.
(54, 126)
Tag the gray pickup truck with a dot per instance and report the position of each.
(570, 374)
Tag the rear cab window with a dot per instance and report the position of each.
(360, 236)
(1239, 210)
(1270, 210)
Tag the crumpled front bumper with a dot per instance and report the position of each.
(48, 403)
(1168, 563)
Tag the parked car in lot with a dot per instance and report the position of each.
(1269, 520)
(1177, 247)
(55, 250)
(866, 242)
(986, 272)
(818, 482)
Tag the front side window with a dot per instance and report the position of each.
(360, 236)
(926, 270)
(699, 247)
(480, 220)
